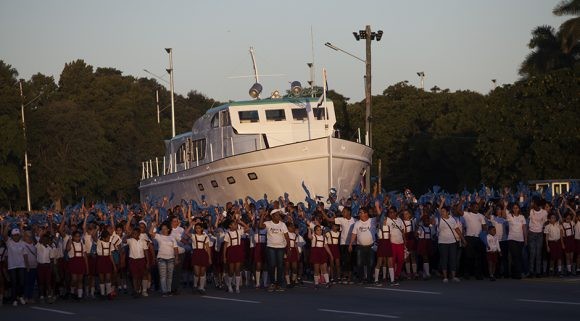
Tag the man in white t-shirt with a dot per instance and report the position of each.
(363, 235)
(346, 223)
(538, 217)
(17, 262)
(475, 248)
(177, 234)
(277, 243)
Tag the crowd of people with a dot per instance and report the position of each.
(99, 250)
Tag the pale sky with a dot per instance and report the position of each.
(459, 44)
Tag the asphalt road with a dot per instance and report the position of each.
(533, 299)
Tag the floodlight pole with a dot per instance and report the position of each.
(170, 71)
(26, 164)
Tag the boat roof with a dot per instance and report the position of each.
(265, 102)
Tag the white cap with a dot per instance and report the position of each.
(15, 231)
(143, 222)
(340, 208)
(280, 211)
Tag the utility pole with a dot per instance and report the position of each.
(170, 71)
(26, 164)
(157, 99)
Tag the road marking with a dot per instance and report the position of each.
(402, 290)
(53, 310)
(228, 299)
(550, 302)
(387, 316)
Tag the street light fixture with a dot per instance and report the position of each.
(421, 75)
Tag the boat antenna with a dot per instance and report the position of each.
(253, 56)
(311, 64)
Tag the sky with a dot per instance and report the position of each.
(459, 44)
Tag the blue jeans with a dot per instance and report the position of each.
(535, 242)
(29, 282)
(276, 264)
(17, 277)
(165, 267)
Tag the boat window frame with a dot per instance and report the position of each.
(297, 112)
(277, 117)
(249, 120)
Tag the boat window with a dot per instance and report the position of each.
(248, 116)
(197, 149)
(181, 153)
(299, 114)
(200, 186)
(319, 113)
(226, 118)
(252, 176)
(231, 180)
(215, 120)
(214, 184)
(275, 115)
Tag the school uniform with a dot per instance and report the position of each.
(333, 240)
(259, 251)
(396, 227)
(384, 248)
(76, 262)
(410, 237)
(137, 261)
(424, 243)
(199, 255)
(90, 249)
(577, 240)
(553, 234)
(44, 257)
(493, 248)
(293, 249)
(318, 253)
(569, 234)
(234, 250)
(104, 257)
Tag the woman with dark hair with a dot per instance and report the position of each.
(517, 238)
(78, 264)
(105, 264)
(450, 236)
(167, 255)
(200, 257)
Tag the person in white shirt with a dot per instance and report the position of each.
(167, 256)
(105, 264)
(517, 239)
(346, 222)
(569, 244)
(277, 243)
(45, 255)
(474, 249)
(30, 255)
(363, 234)
(201, 256)
(291, 262)
(16, 262)
(538, 217)
(138, 260)
(450, 235)
(493, 251)
(554, 243)
(177, 233)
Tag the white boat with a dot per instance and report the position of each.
(251, 148)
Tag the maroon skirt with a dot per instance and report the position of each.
(411, 241)
(292, 255)
(425, 247)
(199, 257)
(104, 264)
(555, 250)
(492, 258)
(235, 254)
(92, 260)
(569, 244)
(318, 255)
(384, 248)
(137, 267)
(577, 247)
(44, 273)
(335, 250)
(260, 253)
(76, 265)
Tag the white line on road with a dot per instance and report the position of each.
(387, 316)
(402, 290)
(228, 299)
(550, 302)
(53, 310)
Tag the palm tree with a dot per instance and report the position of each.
(546, 53)
(570, 29)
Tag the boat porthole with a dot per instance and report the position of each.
(200, 186)
(231, 180)
(214, 184)
(252, 176)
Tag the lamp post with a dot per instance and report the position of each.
(421, 75)
(170, 71)
(26, 164)
(368, 36)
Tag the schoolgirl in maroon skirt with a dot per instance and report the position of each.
(200, 257)
(425, 244)
(234, 252)
(410, 244)
(105, 264)
(319, 254)
(291, 257)
(259, 256)
(77, 264)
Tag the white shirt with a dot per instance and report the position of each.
(87, 242)
(499, 228)
(76, 249)
(198, 242)
(104, 248)
(473, 223)
(424, 232)
(516, 223)
(177, 234)
(447, 233)
(30, 252)
(364, 231)
(317, 241)
(553, 232)
(44, 253)
(346, 227)
(537, 220)
(397, 228)
(492, 243)
(384, 232)
(275, 236)
(568, 228)
(332, 238)
(233, 238)
(261, 236)
(137, 248)
(167, 244)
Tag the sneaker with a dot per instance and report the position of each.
(21, 300)
(316, 287)
(279, 289)
(271, 288)
(445, 280)
(328, 285)
(378, 284)
(395, 283)
(237, 290)
(145, 294)
(15, 303)
(492, 279)
(345, 282)
(201, 291)
(230, 290)
(456, 280)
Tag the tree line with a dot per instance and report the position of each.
(88, 133)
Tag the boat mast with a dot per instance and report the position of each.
(252, 54)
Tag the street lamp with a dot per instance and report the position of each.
(421, 75)
(26, 164)
(494, 83)
(170, 71)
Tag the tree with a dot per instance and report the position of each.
(569, 30)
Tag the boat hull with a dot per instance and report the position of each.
(321, 164)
